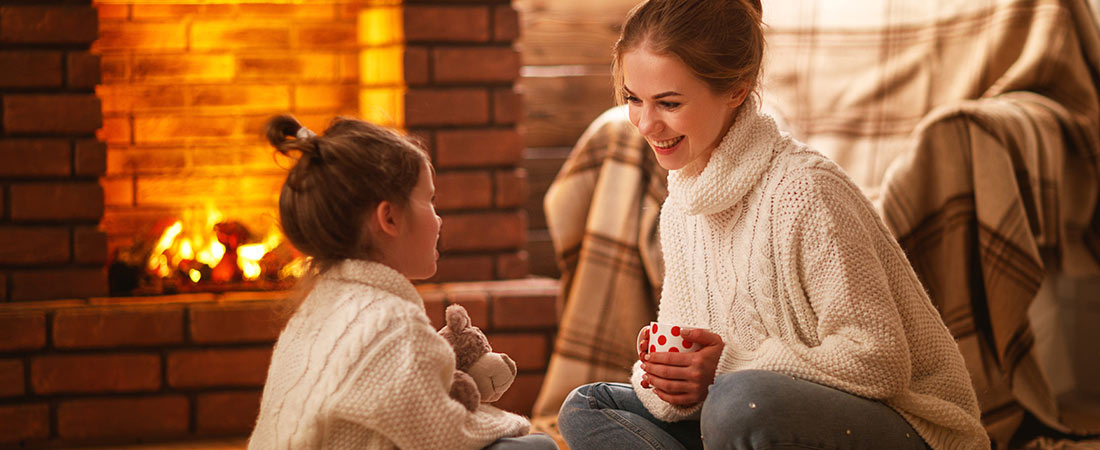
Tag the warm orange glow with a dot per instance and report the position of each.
(186, 88)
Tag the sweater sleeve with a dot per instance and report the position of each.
(661, 409)
(400, 389)
(833, 254)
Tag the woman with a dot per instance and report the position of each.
(816, 332)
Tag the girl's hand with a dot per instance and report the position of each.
(683, 379)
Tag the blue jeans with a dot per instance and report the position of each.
(752, 409)
(537, 441)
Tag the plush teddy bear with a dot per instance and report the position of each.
(481, 376)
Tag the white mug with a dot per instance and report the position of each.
(670, 338)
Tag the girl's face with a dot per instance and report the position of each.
(678, 114)
(415, 252)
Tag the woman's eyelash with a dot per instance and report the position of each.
(670, 105)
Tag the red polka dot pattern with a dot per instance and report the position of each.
(661, 340)
(687, 344)
(673, 350)
(675, 331)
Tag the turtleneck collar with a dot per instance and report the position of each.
(735, 166)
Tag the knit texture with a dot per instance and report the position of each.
(772, 247)
(359, 366)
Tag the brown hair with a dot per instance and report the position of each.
(338, 178)
(721, 41)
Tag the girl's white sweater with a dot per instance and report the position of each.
(359, 366)
(775, 249)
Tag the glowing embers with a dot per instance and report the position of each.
(214, 255)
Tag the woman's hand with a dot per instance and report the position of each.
(683, 379)
(643, 343)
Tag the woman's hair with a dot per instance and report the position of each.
(338, 178)
(721, 41)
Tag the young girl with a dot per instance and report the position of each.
(358, 364)
(816, 332)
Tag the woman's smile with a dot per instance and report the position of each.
(667, 146)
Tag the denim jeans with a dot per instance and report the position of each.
(537, 441)
(752, 409)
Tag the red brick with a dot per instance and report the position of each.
(237, 34)
(463, 190)
(446, 23)
(478, 148)
(507, 106)
(228, 412)
(475, 64)
(315, 66)
(35, 69)
(530, 351)
(513, 265)
(23, 422)
(424, 107)
(58, 113)
(505, 24)
(416, 65)
(521, 396)
(11, 378)
(24, 330)
(434, 306)
(35, 157)
(3, 277)
(327, 35)
(156, 416)
(208, 368)
(90, 157)
(48, 24)
(37, 245)
(82, 70)
(189, 68)
(89, 246)
(114, 68)
(476, 304)
(326, 97)
(236, 322)
(486, 231)
(512, 311)
(464, 268)
(59, 283)
(510, 187)
(57, 201)
(118, 326)
(110, 11)
(95, 373)
(118, 191)
(122, 37)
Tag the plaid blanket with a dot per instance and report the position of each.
(602, 212)
(973, 126)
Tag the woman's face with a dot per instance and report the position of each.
(416, 250)
(678, 114)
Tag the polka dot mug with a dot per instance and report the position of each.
(669, 338)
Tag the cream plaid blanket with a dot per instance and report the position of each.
(975, 129)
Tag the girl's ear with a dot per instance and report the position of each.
(385, 218)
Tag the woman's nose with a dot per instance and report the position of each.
(648, 124)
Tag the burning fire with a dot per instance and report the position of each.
(222, 251)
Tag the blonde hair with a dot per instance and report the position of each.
(721, 41)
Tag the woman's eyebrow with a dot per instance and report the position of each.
(655, 97)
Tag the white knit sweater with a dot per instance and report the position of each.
(359, 366)
(773, 247)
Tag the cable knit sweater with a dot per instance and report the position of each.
(359, 366)
(772, 247)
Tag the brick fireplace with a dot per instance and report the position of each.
(120, 115)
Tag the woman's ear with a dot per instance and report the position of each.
(385, 218)
(738, 97)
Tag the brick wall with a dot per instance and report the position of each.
(186, 89)
(122, 370)
(460, 71)
(49, 156)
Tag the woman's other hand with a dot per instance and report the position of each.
(683, 379)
